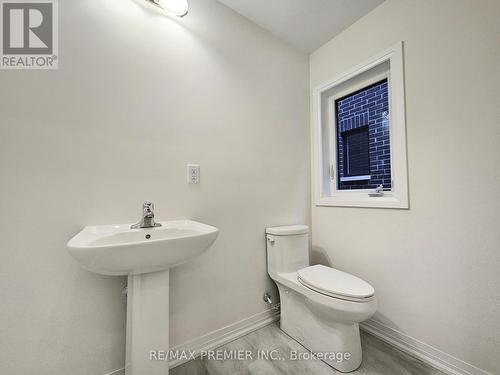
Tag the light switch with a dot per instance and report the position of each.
(193, 173)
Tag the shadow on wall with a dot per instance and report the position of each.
(318, 255)
(379, 325)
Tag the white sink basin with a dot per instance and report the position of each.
(119, 250)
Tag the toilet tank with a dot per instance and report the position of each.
(287, 248)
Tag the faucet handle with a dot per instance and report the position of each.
(148, 207)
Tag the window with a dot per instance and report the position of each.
(359, 136)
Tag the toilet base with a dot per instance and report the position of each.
(336, 343)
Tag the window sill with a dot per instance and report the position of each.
(362, 200)
(355, 178)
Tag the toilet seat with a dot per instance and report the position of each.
(335, 283)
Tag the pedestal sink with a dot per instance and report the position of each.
(145, 255)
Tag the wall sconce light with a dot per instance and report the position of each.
(178, 7)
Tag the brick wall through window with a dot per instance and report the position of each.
(364, 110)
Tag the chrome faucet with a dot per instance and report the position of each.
(148, 217)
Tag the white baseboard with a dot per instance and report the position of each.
(426, 353)
(224, 335)
(120, 371)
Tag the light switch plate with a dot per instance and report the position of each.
(193, 173)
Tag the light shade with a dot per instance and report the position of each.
(178, 7)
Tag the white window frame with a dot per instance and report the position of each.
(386, 65)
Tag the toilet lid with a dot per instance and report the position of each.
(335, 283)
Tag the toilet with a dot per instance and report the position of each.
(321, 307)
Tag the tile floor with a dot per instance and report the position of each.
(378, 358)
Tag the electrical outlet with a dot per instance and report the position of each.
(193, 173)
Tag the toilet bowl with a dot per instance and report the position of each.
(321, 307)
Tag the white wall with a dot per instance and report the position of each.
(435, 267)
(138, 96)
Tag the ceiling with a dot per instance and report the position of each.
(305, 24)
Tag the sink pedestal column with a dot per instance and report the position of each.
(147, 323)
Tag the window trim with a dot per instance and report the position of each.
(324, 149)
